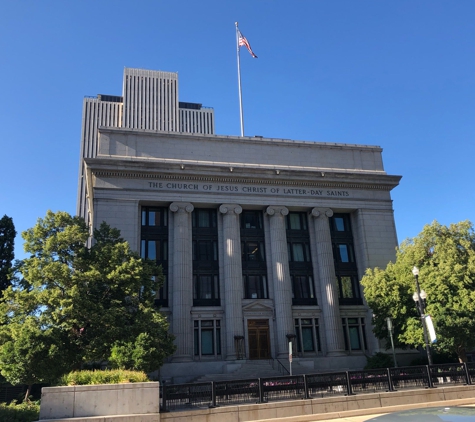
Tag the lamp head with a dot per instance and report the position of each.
(423, 295)
(415, 297)
(415, 271)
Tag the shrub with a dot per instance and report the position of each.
(379, 360)
(103, 377)
(23, 412)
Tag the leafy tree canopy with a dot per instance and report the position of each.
(445, 257)
(70, 304)
(7, 243)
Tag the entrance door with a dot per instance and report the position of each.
(258, 337)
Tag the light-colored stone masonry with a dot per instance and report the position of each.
(136, 168)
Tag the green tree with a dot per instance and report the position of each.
(7, 243)
(73, 304)
(445, 257)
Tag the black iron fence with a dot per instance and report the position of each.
(263, 390)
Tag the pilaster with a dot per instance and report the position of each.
(182, 283)
(281, 274)
(329, 289)
(232, 269)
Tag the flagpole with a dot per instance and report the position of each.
(239, 80)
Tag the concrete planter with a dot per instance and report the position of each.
(83, 401)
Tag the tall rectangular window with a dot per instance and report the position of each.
(254, 269)
(344, 259)
(154, 244)
(205, 258)
(207, 338)
(354, 333)
(307, 335)
(300, 259)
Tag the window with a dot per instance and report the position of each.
(298, 252)
(204, 218)
(307, 335)
(154, 244)
(205, 250)
(255, 286)
(343, 253)
(253, 251)
(300, 259)
(254, 268)
(154, 217)
(161, 295)
(340, 223)
(296, 221)
(207, 337)
(251, 220)
(302, 290)
(156, 249)
(349, 290)
(205, 258)
(344, 259)
(206, 290)
(354, 334)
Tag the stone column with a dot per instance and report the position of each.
(232, 270)
(182, 283)
(328, 284)
(282, 282)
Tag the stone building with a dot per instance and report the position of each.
(262, 241)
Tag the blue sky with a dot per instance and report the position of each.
(395, 73)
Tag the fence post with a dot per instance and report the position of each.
(429, 375)
(305, 386)
(213, 395)
(261, 392)
(164, 398)
(348, 384)
(390, 380)
(467, 374)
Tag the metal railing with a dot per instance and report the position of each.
(263, 390)
(277, 364)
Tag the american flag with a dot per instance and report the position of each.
(243, 41)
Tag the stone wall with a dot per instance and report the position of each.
(83, 401)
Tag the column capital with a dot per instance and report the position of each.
(276, 210)
(230, 209)
(181, 207)
(321, 212)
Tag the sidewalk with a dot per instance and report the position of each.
(351, 416)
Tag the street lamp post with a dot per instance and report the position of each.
(419, 297)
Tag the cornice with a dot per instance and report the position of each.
(373, 185)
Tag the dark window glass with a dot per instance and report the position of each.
(307, 335)
(253, 251)
(251, 220)
(255, 287)
(303, 287)
(344, 253)
(349, 290)
(206, 290)
(207, 338)
(204, 218)
(154, 217)
(354, 332)
(296, 221)
(205, 250)
(298, 252)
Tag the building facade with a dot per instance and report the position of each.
(262, 241)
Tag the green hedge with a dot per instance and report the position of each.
(23, 412)
(116, 376)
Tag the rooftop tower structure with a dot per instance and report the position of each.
(149, 102)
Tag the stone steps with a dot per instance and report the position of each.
(253, 369)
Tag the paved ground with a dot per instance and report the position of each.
(363, 418)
